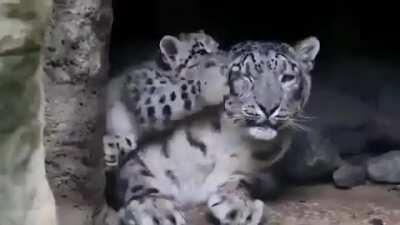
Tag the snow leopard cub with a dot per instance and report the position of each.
(151, 97)
(214, 157)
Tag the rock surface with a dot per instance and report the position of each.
(25, 195)
(348, 176)
(76, 64)
(385, 168)
(77, 41)
(311, 157)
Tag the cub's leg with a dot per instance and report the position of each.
(232, 203)
(116, 146)
(121, 137)
(121, 128)
(143, 204)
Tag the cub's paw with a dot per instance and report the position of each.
(151, 211)
(116, 146)
(127, 143)
(235, 209)
(111, 151)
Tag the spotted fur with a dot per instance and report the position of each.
(151, 98)
(213, 158)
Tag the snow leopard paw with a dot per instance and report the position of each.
(234, 209)
(151, 211)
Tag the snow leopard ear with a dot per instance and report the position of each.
(307, 50)
(169, 47)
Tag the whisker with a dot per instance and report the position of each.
(303, 115)
(300, 120)
(298, 126)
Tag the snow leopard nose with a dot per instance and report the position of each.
(270, 112)
(273, 111)
(270, 115)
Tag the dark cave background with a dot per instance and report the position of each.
(359, 41)
(342, 26)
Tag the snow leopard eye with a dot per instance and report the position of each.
(193, 65)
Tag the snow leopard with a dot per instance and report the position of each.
(214, 157)
(189, 76)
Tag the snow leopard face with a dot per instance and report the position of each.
(270, 82)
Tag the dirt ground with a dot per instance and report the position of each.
(304, 205)
(326, 205)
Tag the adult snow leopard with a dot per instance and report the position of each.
(214, 157)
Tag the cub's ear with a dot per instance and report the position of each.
(307, 49)
(169, 47)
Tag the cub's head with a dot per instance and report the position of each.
(185, 51)
(196, 56)
(211, 73)
(270, 82)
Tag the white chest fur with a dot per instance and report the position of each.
(199, 170)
